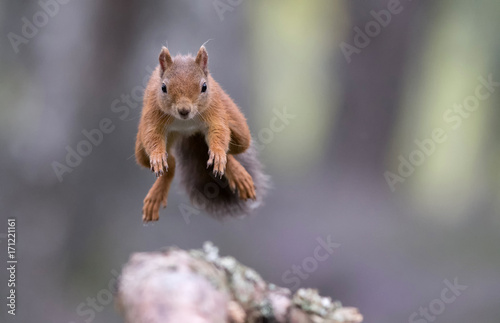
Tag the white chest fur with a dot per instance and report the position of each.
(187, 127)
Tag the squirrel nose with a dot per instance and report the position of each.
(184, 112)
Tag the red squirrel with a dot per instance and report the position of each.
(187, 119)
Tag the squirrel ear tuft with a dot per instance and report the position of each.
(165, 59)
(202, 59)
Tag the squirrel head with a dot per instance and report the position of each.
(184, 89)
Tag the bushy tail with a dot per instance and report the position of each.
(213, 194)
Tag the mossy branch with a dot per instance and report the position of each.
(199, 286)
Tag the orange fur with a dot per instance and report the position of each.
(185, 110)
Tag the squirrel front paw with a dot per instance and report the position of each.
(158, 163)
(218, 158)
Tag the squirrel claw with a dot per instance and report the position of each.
(232, 186)
(158, 162)
(219, 160)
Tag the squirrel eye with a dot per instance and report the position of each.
(204, 87)
(164, 88)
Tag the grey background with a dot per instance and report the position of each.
(353, 120)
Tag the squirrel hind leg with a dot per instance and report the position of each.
(240, 141)
(212, 194)
(140, 155)
(157, 195)
(239, 179)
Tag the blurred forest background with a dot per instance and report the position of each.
(354, 117)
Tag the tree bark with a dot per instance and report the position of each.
(199, 286)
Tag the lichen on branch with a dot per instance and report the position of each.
(199, 286)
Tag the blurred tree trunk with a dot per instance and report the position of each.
(373, 81)
(113, 32)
